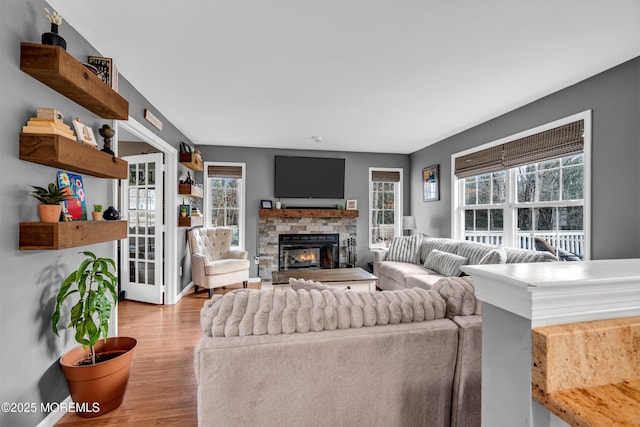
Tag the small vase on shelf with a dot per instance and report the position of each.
(53, 38)
(111, 214)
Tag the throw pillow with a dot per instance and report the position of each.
(405, 249)
(445, 263)
(496, 256)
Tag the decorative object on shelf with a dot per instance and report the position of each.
(352, 205)
(97, 372)
(111, 214)
(431, 183)
(278, 204)
(84, 133)
(50, 199)
(73, 187)
(266, 204)
(48, 122)
(408, 224)
(52, 37)
(104, 67)
(183, 210)
(97, 212)
(187, 180)
(185, 148)
(107, 133)
(197, 154)
(151, 118)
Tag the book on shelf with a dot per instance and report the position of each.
(50, 114)
(47, 131)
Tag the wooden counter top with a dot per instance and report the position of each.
(588, 373)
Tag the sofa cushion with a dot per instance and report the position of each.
(398, 271)
(260, 312)
(224, 266)
(424, 281)
(459, 294)
(445, 263)
(405, 249)
(526, 255)
(476, 252)
(431, 243)
(496, 256)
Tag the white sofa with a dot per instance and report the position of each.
(406, 275)
(213, 263)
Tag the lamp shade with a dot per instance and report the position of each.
(409, 222)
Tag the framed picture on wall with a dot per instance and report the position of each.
(431, 183)
(266, 204)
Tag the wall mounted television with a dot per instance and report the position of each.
(309, 177)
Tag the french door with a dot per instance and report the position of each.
(142, 205)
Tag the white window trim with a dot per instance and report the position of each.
(457, 194)
(399, 203)
(207, 192)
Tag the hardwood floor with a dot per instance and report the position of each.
(162, 389)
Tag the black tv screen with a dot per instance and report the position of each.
(309, 177)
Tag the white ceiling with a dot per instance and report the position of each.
(375, 76)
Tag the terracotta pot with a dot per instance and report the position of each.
(49, 213)
(97, 216)
(98, 389)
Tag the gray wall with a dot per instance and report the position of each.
(260, 176)
(29, 358)
(614, 97)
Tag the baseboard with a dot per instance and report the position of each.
(55, 416)
(184, 291)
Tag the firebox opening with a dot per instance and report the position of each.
(308, 251)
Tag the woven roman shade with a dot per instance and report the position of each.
(221, 171)
(385, 176)
(550, 144)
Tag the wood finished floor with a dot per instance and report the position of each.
(162, 388)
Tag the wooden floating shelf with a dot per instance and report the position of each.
(60, 152)
(307, 213)
(192, 162)
(56, 68)
(190, 191)
(64, 235)
(190, 221)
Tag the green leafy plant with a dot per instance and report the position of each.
(52, 195)
(97, 208)
(96, 287)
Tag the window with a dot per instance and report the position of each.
(385, 205)
(224, 198)
(528, 191)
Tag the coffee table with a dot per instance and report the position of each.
(341, 278)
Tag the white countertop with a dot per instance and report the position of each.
(561, 292)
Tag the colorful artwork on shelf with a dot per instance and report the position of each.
(72, 185)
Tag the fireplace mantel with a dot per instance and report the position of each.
(307, 213)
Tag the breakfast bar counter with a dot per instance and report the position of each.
(537, 320)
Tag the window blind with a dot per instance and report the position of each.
(550, 144)
(385, 176)
(221, 171)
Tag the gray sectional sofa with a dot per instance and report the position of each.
(427, 267)
(341, 358)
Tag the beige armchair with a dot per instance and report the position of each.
(213, 263)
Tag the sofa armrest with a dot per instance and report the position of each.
(379, 255)
(237, 254)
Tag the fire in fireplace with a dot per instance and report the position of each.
(308, 251)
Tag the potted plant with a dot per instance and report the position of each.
(97, 371)
(50, 198)
(97, 212)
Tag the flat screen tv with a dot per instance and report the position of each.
(309, 177)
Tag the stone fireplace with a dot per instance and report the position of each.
(333, 229)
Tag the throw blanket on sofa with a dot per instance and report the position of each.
(252, 312)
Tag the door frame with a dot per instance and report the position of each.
(170, 205)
